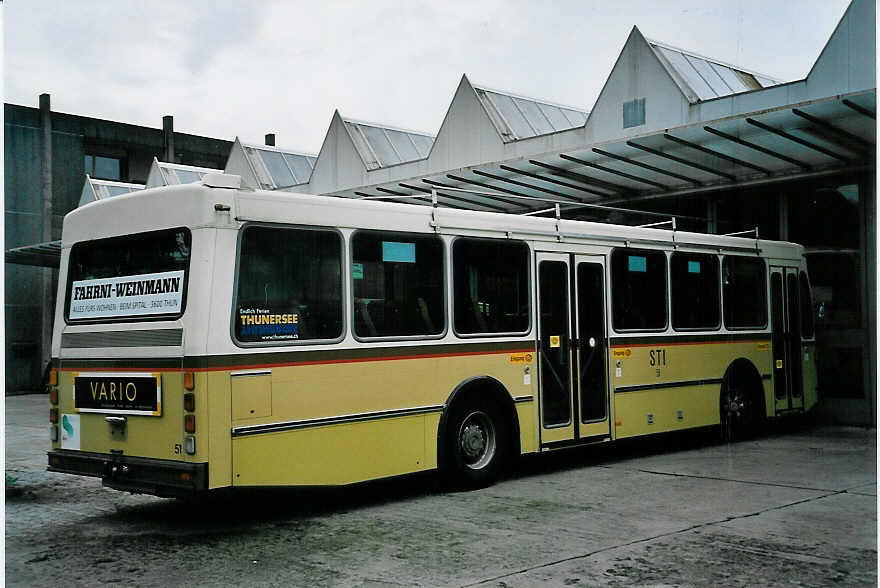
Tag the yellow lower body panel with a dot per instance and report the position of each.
(665, 409)
(336, 454)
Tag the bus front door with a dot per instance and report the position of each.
(787, 345)
(572, 347)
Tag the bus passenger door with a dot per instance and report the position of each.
(590, 345)
(554, 349)
(787, 348)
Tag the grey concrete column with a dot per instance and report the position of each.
(47, 306)
(270, 139)
(168, 130)
(783, 216)
(711, 215)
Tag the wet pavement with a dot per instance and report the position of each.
(795, 507)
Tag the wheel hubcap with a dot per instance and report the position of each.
(476, 440)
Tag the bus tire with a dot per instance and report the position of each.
(476, 443)
(741, 402)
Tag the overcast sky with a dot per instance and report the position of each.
(226, 68)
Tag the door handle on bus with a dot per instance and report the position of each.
(116, 421)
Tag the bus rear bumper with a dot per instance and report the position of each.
(140, 475)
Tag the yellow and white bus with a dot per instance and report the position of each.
(210, 336)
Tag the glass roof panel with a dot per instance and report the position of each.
(380, 145)
(512, 116)
(730, 78)
(576, 117)
(300, 166)
(718, 85)
(403, 145)
(687, 72)
(765, 82)
(187, 177)
(116, 190)
(275, 164)
(423, 144)
(749, 80)
(87, 195)
(555, 116)
(534, 115)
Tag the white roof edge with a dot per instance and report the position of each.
(278, 149)
(194, 168)
(523, 97)
(714, 60)
(98, 182)
(384, 126)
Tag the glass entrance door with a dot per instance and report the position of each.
(787, 339)
(572, 347)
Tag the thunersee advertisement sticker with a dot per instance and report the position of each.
(139, 295)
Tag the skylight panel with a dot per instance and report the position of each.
(187, 177)
(512, 116)
(534, 116)
(709, 75)
(380, 145)
(281, 174)
(403, 145)
(575, 117)
(764, 81)
(116, 190)
(423, 144)
(690, 76)
(733, 81)
(299, 164)
(555, 115)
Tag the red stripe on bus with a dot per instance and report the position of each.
(294, 363)
(624, 346)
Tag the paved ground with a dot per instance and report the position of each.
(797, 508)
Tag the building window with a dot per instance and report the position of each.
(695, 291)
(638, 290)
(744, 280)
(103, 168)
(398, 284)
(289, 285)
(634, 113)
(491, 279)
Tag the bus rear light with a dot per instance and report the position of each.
(189, 445)
(185, 476)
(53, 433)
(189, 402)
(53, 377)
(189, 380)
(53, 416)
(53, 395)
(189, 423)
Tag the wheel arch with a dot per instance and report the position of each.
(742, 371)
(480, 386)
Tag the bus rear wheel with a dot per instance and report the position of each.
(738, 414)
(476, 443)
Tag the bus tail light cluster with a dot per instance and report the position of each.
(189, 406)
(53, 415)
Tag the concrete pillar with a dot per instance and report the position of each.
(270, 139)
(783, 216)
(168, 130)
(47, 306)
(711, 215)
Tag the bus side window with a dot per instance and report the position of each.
(490, 286)
(745, 292)
(638, 289)
(695, 293)
(398, 284)
(289, 285)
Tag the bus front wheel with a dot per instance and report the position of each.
(476, 443)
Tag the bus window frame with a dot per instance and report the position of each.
(763, 260)
(611, 286)
(444, 272)
(130, 319)
(530, 257)
(717, 327)
(234, 307)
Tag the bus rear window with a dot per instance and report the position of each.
(134, 277)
